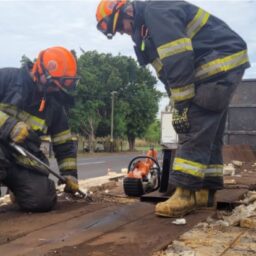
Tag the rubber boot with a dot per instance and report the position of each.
(179, 204)
(205, 198)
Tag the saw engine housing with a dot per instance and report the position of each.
(143, 175)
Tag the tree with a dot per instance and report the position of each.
(25, 61)
(143, 99)
(136, 101)
(153, 132)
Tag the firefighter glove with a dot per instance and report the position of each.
(72, 185)
(180, 119)
(19, 132)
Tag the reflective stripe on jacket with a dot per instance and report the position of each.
(186, 44)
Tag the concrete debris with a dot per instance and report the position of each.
(178, 248)
(229, 170)
(5, 200)
(93, 185)
(221, 223)
(179, 221)
(237, 163)
(208, 240)
(248, 223)
(111, 173)
(229, 181)
(239, 213)
(184, 253)
(124, 170)
(249, 198)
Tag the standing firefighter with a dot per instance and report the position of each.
(32, 104)
(201, 61)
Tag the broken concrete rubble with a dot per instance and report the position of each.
(237, 163)
(220, 237)
(229, 169)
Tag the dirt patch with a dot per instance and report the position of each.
(242, 153)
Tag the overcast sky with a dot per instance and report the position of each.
(26, 27)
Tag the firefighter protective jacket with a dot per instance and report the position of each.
(185, 44)
(20, 101)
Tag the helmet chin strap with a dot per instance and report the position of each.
(45, 85)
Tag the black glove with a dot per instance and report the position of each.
(180, 119)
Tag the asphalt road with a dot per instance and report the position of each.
(95, 165)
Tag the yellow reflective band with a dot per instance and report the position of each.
(67, 164)
(222, 65)
(197, 23)
(115, 21)
(183, 93)
(174, 47)
(9, 109)
(189, 167)
(30, 163)
(36, 123)
(157, 64)
(3, 118)
(62, 137)
(214, 170)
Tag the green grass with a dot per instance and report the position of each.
(146, 148)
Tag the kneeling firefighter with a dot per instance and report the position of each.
(33, 102)
(200, 60)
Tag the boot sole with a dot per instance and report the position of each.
(206, 207)
(177, 214)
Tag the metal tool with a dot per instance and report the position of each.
(26, 153)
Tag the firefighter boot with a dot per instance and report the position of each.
(179, 204)
(205, 198)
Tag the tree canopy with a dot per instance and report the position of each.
(135, 101)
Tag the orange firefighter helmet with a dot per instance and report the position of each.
(59, 67)
(108, 14)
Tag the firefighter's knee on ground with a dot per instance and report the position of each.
(43, 201)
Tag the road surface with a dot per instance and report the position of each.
(95, 165)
